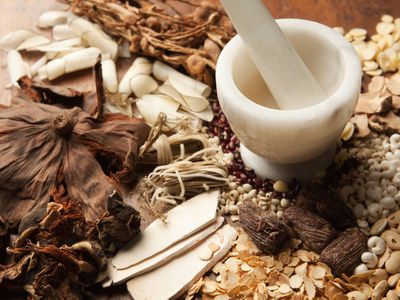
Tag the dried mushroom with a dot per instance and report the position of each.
(189, 34)
(315, 232)
(43, 147)
(266, 231)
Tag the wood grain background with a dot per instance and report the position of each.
(17, 14)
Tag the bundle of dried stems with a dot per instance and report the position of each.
(182, 33)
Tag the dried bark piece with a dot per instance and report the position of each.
(266, 231)
(3, 235)
(344, 253)
(120, 225)
(314, 231)
(389, 122)
(372, 103)
(361, 122)
(326, 204)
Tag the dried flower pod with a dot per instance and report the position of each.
(344, 253)
(325, 203)
(314, 231)
(265, 229)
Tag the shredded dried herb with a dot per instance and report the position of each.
(182, 33)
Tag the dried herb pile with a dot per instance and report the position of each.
(60, 164)
(165, 30)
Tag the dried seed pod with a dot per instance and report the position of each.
(314, 231)
(265, 229)
(343, 254)
(326, 204)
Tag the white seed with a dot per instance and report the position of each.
(285, 202)
(370, 259)
(247, 187)
(374, 210)
(361, 268)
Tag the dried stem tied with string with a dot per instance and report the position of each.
(184, 33)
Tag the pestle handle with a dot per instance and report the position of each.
(288, 78)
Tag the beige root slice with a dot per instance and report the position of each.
(142, 84)
(162, 72)
(94, 36)
(109, 72)
(32, 42)
(38, 64)
(16, 66)
(63, 32)
(141, 65)
(53, 17)
(69, 63)
(14, 39)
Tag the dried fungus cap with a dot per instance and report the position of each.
(266, 231)
(314, 231)
(344, 253)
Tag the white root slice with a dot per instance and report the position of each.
(119, 276)
(168, 90)
(182, 221)
(60, 46)
(63, 32)
(123, 50)
(206, 114)
(94, 36)
(69, 63)
(162, 71)
(52, 18)
(113, 109)
(150, 106)
(66, 51)
(140, 65)
(13, 39)
(109, 72)
(37, 65)
(142, 84)
(16, 66)
(173, 279)
(32, 42)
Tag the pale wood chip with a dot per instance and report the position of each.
(229, 280)
(361, 122)
(296, 281)
(288, 270)
(393, 84)
(285, 289)
(377, 84)
(294, 261)
(310, 287)
(214, 247)
(301, 269)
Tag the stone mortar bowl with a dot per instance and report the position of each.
(282, 144)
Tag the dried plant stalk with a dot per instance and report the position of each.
(189, 33)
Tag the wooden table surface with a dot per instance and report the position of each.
(17, 14)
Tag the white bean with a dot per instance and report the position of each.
(376, 245)
(387, 202)
(370, 259)
(361, 268)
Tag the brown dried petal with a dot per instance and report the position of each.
(314, 231)
(120, 226)
(266, 231)
(326, 204)
(344, 253)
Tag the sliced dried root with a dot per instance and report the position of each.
(53, 17)
(163, 72)
(63, 32)
(37, 65)
(141, 66)
(110, 79)
(16, 66)
(32, 42)
(69, 63)
(14, 39)
(94, 36)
